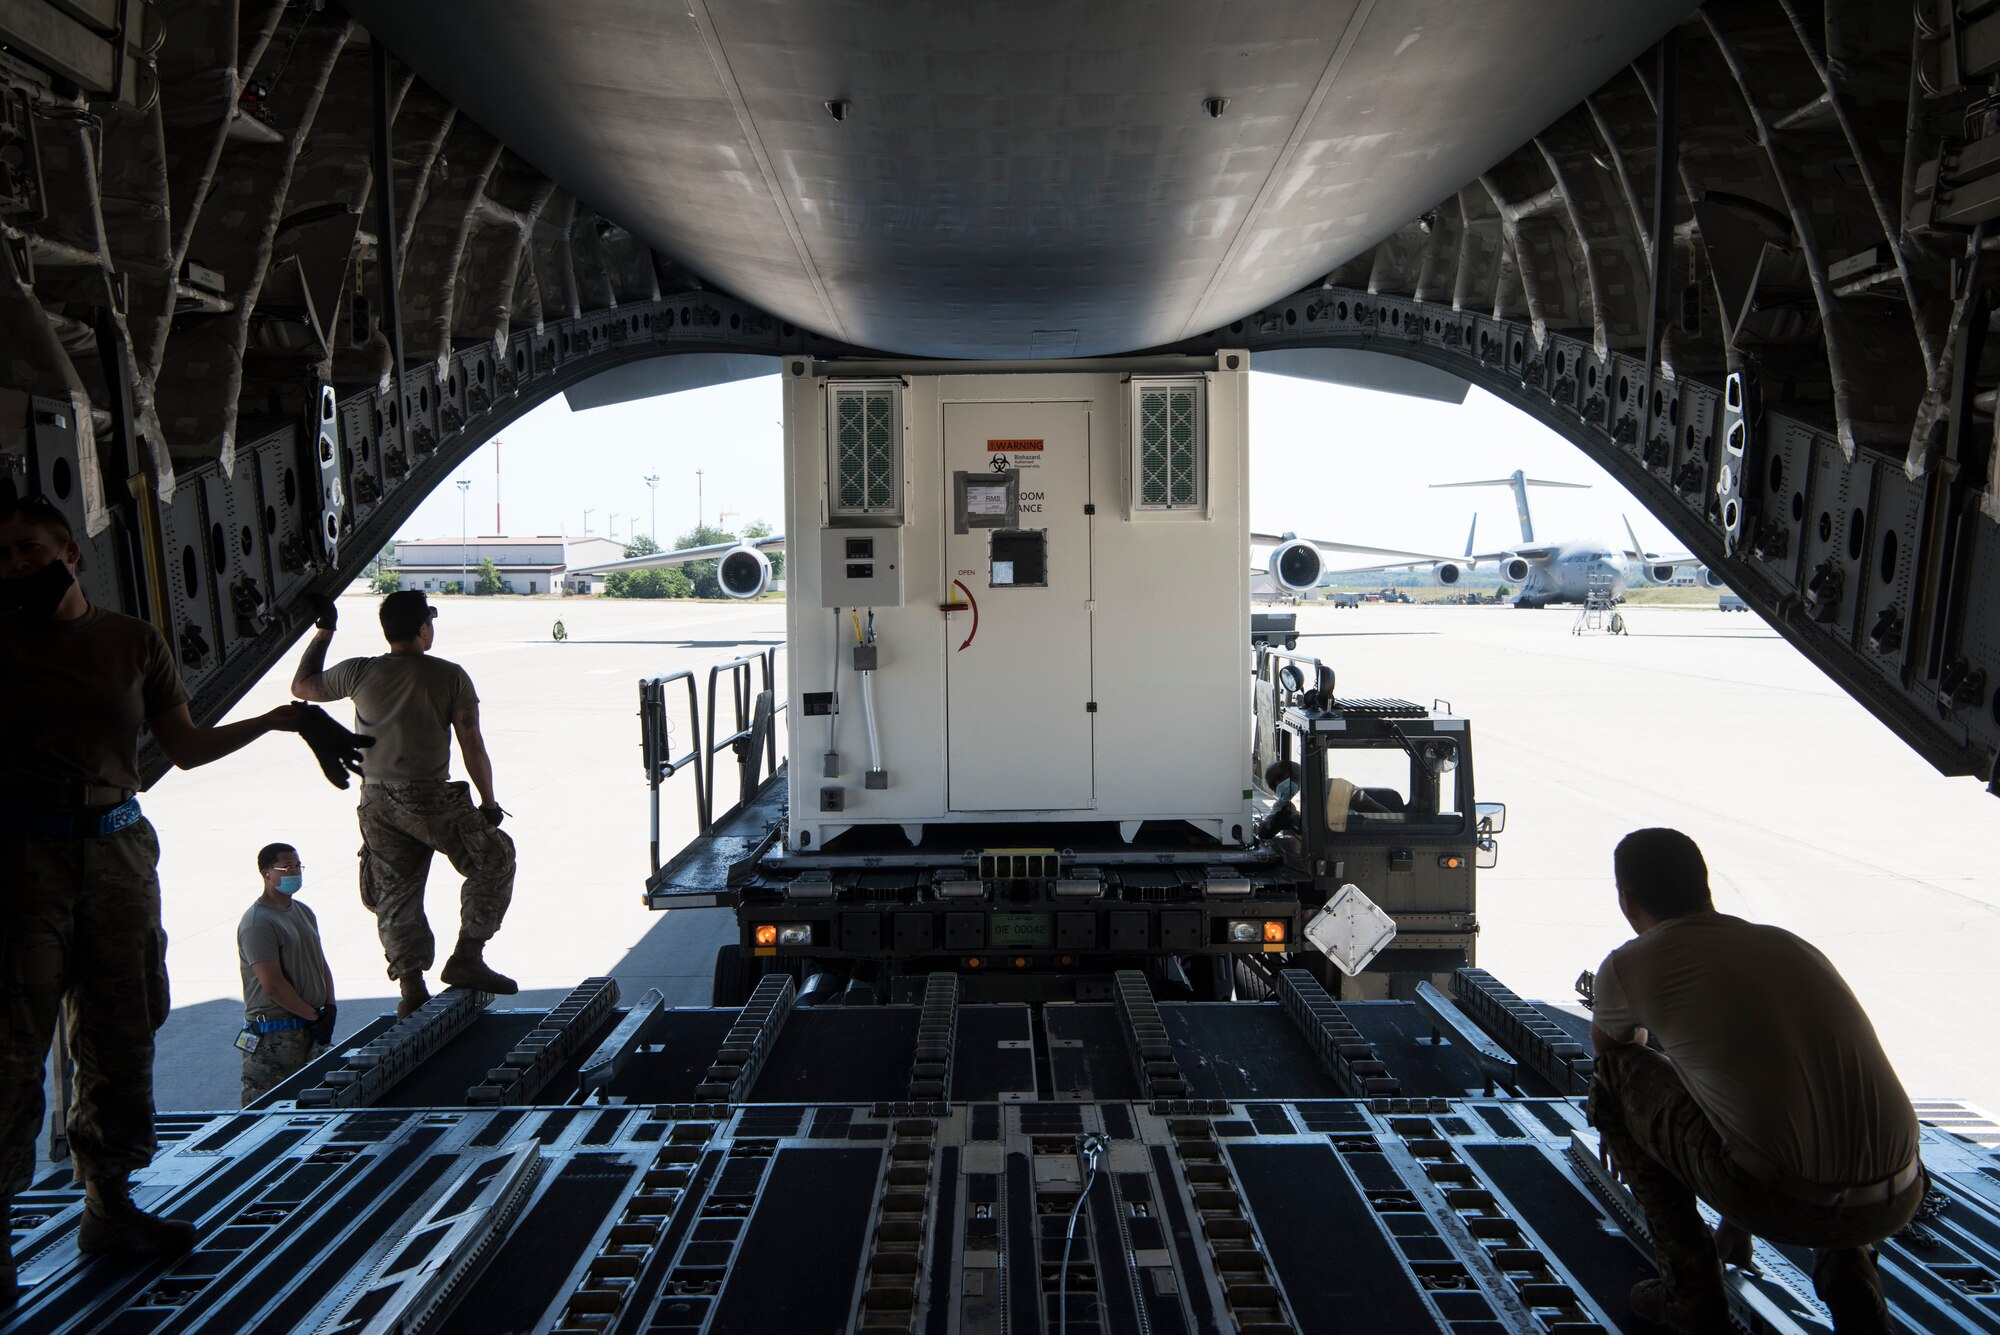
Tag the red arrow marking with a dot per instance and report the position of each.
(960, 586)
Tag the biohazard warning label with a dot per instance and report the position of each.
(1008, 454)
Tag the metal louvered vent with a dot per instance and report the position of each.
(1169, 447)
(865, 448)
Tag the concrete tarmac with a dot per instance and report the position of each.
(1813, 816)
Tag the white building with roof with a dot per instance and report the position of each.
(527, 564)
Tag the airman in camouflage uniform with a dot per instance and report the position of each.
(414, 702)
(288, 1009)
(79, 895)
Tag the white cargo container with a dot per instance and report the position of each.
(1047, 566)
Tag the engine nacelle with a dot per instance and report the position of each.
(1447, 572)
(1515, 569)
(1660, 574)
(743, 573)
(1297, 565)
(1711, 579)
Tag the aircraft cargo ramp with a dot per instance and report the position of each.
(1299, 1164)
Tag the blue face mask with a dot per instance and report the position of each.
(289, 885)
(1287, 790)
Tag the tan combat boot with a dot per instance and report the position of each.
(113, 1224)
(415, 994)
(466, 968)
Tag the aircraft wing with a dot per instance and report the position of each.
(709, 552)
(1328, 544)
(1533, 555)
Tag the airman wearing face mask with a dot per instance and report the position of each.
(80, 916)
(288, 1010)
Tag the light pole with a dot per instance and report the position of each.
(464, 561)
(697, 498)
(611, 528)
(586, 522)
(653, 485)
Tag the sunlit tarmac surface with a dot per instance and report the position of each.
(1813, 816)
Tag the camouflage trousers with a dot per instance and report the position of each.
(1670, 1155)
(278, 1058)
(80, 923)
(402, 824)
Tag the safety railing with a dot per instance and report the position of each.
(656, 746)
(747, 687)
(755, 736)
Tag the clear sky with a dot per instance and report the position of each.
(1325, 462)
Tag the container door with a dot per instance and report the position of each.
(1017, 548)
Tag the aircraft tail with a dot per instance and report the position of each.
(1469, 532)
(1518, 482)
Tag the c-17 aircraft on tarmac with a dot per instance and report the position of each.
(1558, 572)
(743, 566)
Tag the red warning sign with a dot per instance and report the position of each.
(1014, 446)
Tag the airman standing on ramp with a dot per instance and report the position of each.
(414, 702)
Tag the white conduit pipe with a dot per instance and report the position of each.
(868, 711)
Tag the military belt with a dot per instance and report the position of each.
(277, 1026)
(1764, 1173)
(41, 823)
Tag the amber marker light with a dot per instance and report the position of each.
(1274, 930)
(1020, 961)
(767, 934)
(973, 962)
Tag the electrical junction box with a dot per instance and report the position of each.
(1057, 560)
(860, 567)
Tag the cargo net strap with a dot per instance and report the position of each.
(937, 1031)
(1384, 708)
(1343, 1052)
(1152, 1052)
(1533, 1037)
(749, 1041)
(373, 1069)
(546, 1048)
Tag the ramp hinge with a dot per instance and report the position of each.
(1090, 706)
(1090, 509)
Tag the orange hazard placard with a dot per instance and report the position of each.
(1014, 446)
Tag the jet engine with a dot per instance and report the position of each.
(1447, 572)
(1515, 569)
(743, 573)
(1711, 579)
(1660, 574)
(1297, 565)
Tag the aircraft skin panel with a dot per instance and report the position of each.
(950, 213)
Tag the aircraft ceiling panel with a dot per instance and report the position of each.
(1018, 180)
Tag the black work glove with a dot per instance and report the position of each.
(339, 750)
(327, 616)
(321, 1029)
(494, 814)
